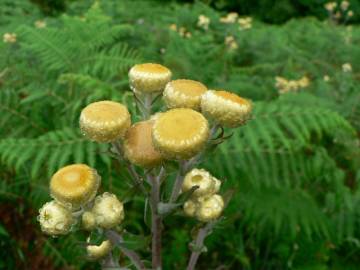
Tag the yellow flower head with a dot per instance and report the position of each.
(55, 219)
(149, 77)
(226, 108)
(105, 121)
(98, 252)
(229, 18)
(207, 184)
(330, 6)
(138, 145)
(209, 208)
(88, 221)
(40, 24)
(74, 185)
(108, 211)
(180, 133)
(184, 94)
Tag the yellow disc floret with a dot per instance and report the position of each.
(95, 252)
(55, 219)
(74, 185)
(138, 145)
(149, 77)
(206, 183)
(180, 133)
(104, 121)
(184, 94)
(226, 108)
(108, 211)
(209, 208)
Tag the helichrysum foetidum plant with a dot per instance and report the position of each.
(182, 134)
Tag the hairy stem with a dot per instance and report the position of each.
(198, 245)
(134, 175)
(117, 240)
(147, 106)
(156, 223)
(178, 181)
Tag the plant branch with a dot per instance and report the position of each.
(117, 240)
(199, 245)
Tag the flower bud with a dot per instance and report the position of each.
(149, 77)
(88, 221)
(209, 208)
(74, 185)
(180, 133)
(207, 184)
(226, 108)
(184, 94)
(95, 252)
(190, 208)
(55, 219)
(138, 145)
(108, 211)
(104, 121)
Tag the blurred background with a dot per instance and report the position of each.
(293, 170)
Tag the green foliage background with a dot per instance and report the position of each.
(294, 169)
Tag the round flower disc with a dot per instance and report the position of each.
(184, 94)
(180, 133)
(226, 108)
(104, 121)
(138, 145)
(74, 185)
(149, 77)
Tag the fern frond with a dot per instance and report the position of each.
(52, 150)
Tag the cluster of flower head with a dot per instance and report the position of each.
(233, 17)
(346, 67)
(179, 133)
(203, 22)
(204, 204)
(180, 30)
(73, 189)
(9, 38)
(285, 85)
(337, 12)
(231, 43)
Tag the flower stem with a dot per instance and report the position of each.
(199, 244)
(117, 240)
(156, 223)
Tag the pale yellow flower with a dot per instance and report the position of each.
(245, 23)
(344, 5)
(209, 208)
(9, 38)
(230, 42)
(180, 133)
(346, 67)
(184, 94)
(149, 77)
(173, 27)
(326, 78)
(226, 108)
(55, 219)
(40, 24)
(350, 13)
(108, 211)
(138, 145)
(207, 184)
(229, 18)
(104, 121)
(190, 207)
(330, 6)
(95, 252)
(203, 22)
(74, 185)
